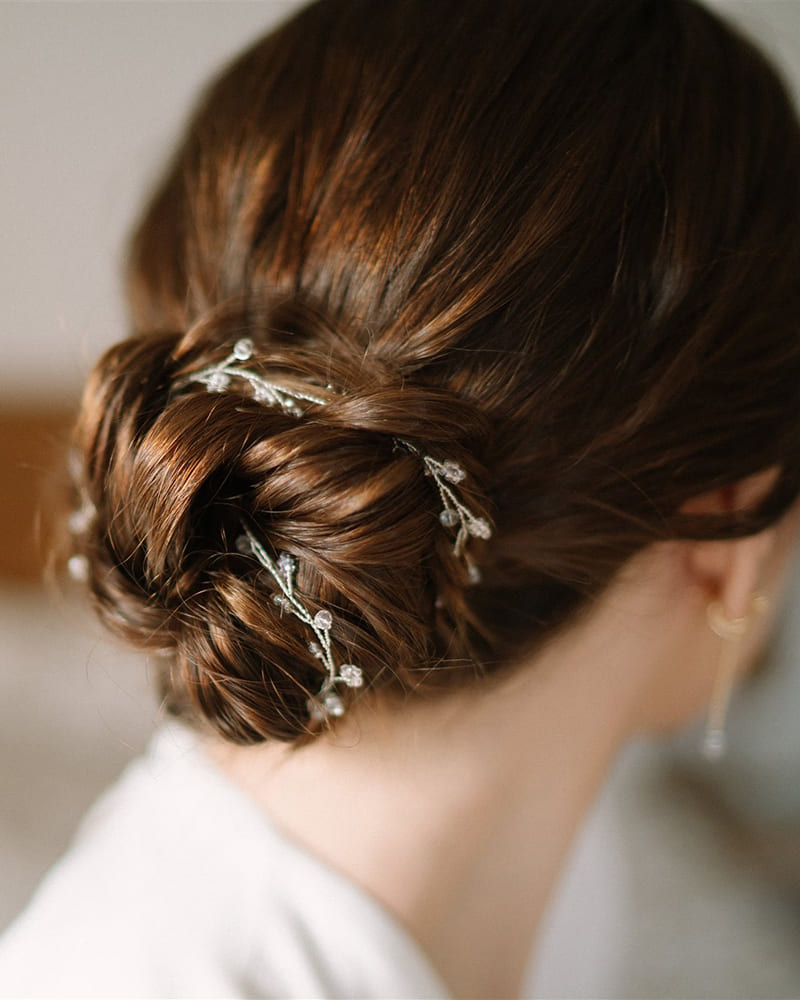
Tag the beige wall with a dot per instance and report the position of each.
(93, 95)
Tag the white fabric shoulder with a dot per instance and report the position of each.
(177, 885)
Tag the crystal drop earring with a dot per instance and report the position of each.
(731, 631)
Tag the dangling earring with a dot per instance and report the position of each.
(731, 631)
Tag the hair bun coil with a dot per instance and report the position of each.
(174, 469)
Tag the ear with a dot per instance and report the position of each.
(731, 571)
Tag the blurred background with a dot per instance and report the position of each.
(685, 882)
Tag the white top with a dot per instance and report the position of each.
(178, 885)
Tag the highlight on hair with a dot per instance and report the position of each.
(556, 243)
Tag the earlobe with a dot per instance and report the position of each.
(745, 572)
(731, 570)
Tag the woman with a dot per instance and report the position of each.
(456, 442)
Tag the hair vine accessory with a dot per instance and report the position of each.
(731, 631)
(217, 378)
(326, 703)
(446, 474)
(454, 513)
(79, 521)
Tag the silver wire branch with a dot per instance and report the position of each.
(454, 513)
(326, 702)
(217, 378)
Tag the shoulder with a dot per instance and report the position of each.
(139, 891)
(177, 885)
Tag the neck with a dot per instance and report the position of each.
(457, 814)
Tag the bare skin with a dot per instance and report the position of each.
(457, 814)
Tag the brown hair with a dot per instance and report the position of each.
(557, 243)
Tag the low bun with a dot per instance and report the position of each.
(457, 242)
(175, 472)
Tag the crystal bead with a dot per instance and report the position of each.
(243, 349)
(333, 705)
(315, 710)
(294, 410)
(453, 472)
(75, 465)
(479, 527)
(79, 520)
(474, 574)
(262, 393)
(218, 382)
(78, 568)
(323, 619)
(315, 649)
(449, 517)
(283, 603)
(714, 745)
(351, 675)
(287, 563)
(243, 545)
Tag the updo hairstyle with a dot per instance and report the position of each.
(556, 243)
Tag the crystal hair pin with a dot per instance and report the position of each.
(326, 703)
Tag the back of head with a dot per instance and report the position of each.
(554, 243)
